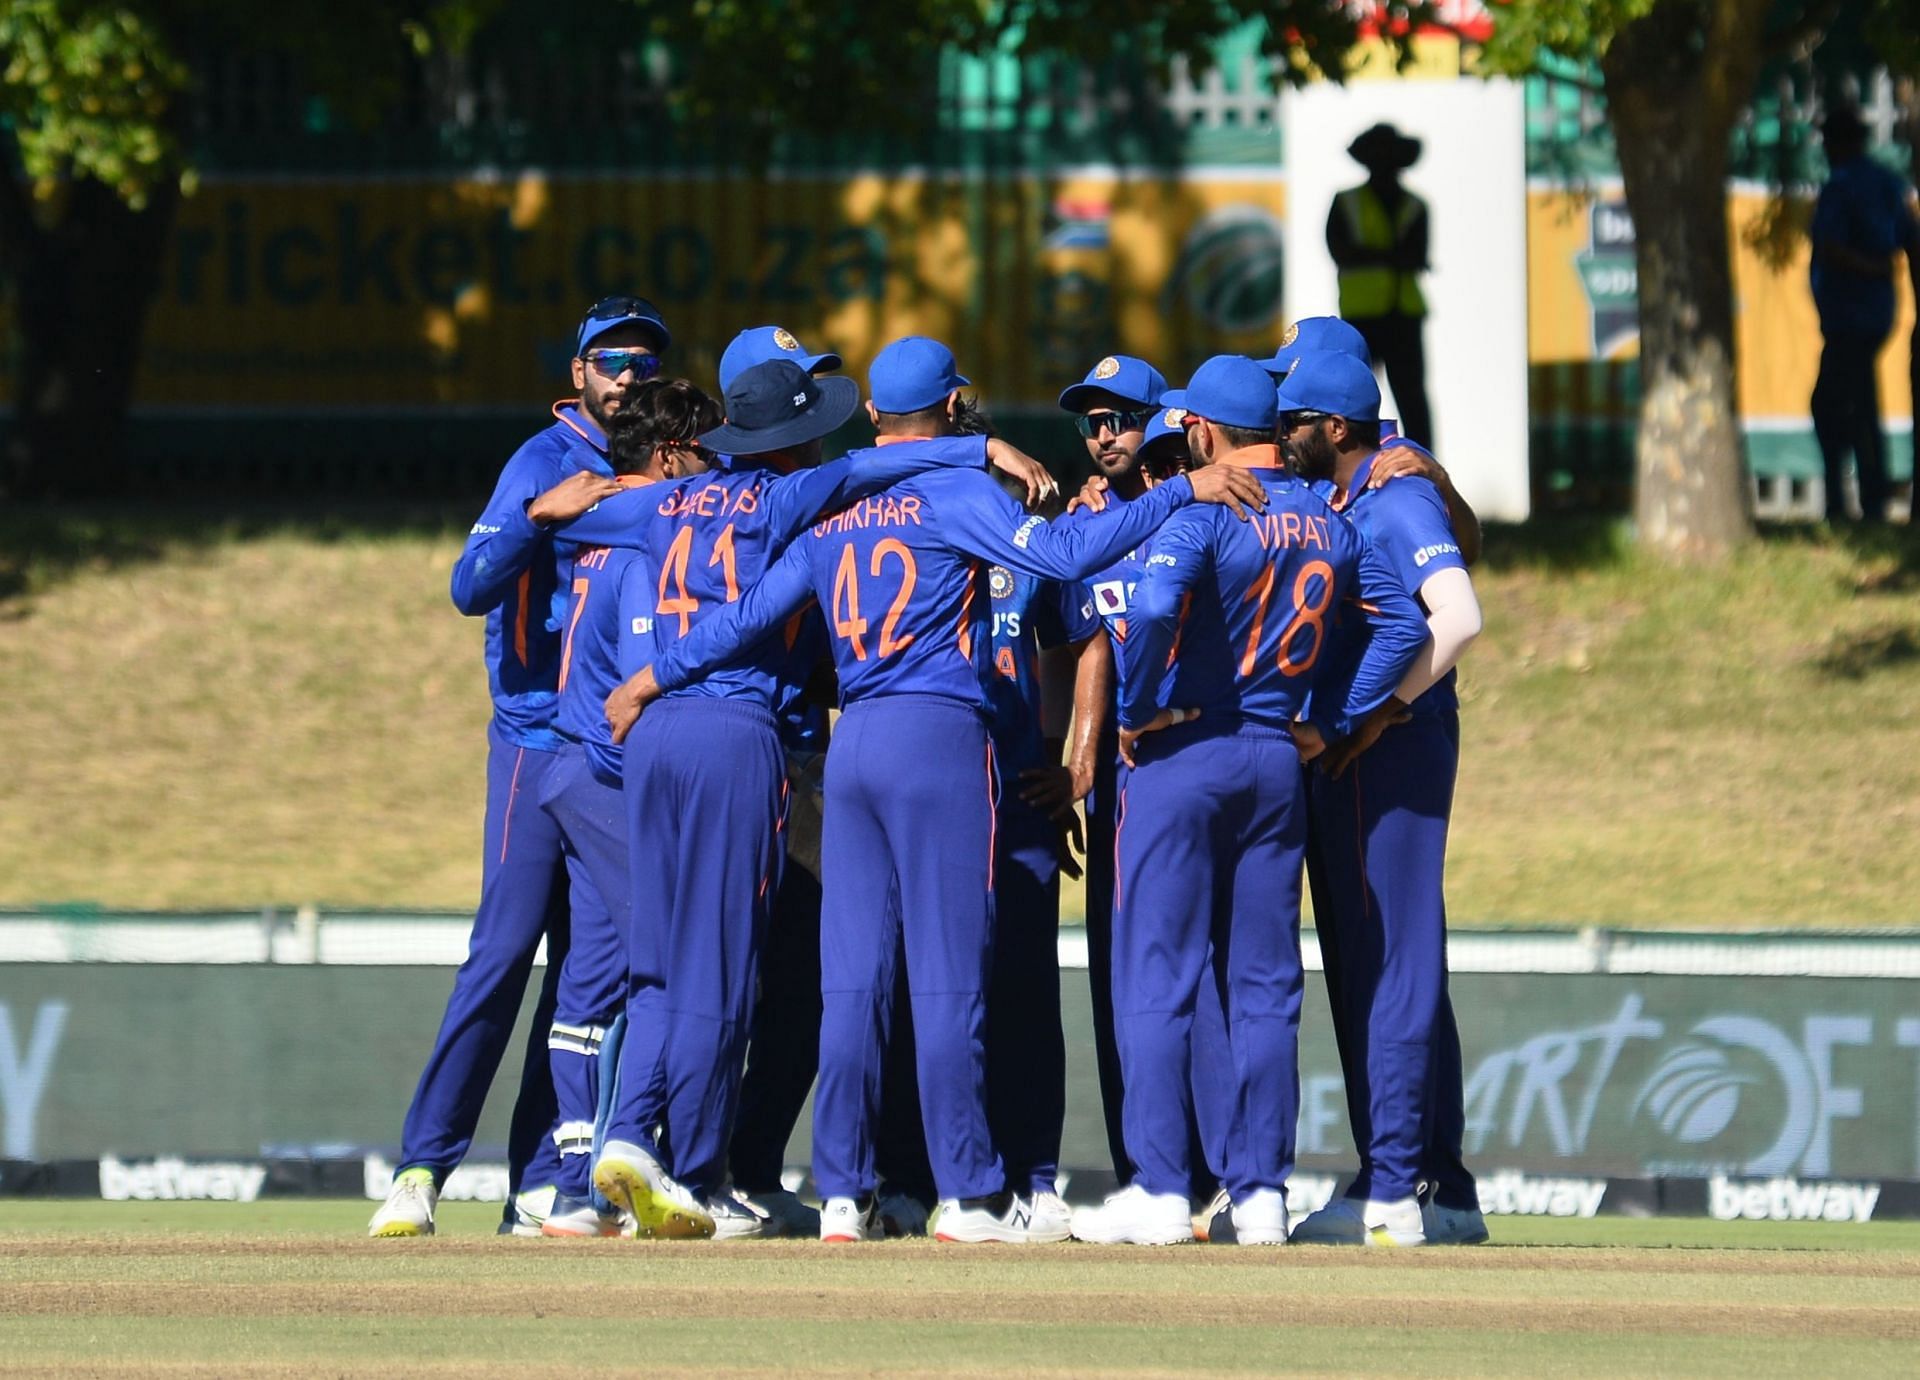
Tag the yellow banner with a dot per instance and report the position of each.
(416, 292)
(1582, 297)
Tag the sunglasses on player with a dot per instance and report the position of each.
(1293, 421)
(611, 363)
(1093, 423)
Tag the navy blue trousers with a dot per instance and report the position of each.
(1026, 1047)
(705, 794)
(1380, 836)
(592, 821)
(523, 895)
(928, 835)
(1211, 830)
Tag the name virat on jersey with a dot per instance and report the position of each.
(1279, 531)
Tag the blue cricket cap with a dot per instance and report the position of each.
(1231, 390)
(610, 312)
(1314, 333)
(1166, 437)
(1334, 383)
(779, 405)
(1133, 380)
(763, 343)
(911, 373)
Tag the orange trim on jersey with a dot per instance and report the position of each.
(513, 790)
(525, 587)
(566, 419)
(966, 610)
(632, 481)
(1180, 627)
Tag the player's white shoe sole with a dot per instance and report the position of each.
(409, 1208)
(636, 1183)
(1005, 1218)
(736, 1219)
(578, 1217)
(1351, 1222)
(1135, 1217)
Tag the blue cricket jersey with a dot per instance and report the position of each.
(901, 578)
(1246, 615)
(590, 653)
(508, 572)
(1029, 615)
(705, 539)
(1406, 527)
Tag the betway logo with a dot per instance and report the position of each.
(149, 1180)
(470, 1183)
(1789, 1200)
(1512, 1194)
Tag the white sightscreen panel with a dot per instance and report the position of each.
(1472, 175)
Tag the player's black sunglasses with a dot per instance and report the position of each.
(1292, 421)
(1093, 423)
(612, 363)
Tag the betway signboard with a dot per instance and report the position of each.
(1779, 1097)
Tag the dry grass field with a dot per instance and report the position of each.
(285, 708)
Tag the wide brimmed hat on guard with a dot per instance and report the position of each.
(1384, 147)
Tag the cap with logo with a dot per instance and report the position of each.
(1165, 438)
(762, 343)
(609, 313)
(1313, 333)
(1123, 376)
(1334, 383)
(779, 405)
(1231, 390)
(911, 373)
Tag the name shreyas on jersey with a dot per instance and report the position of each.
(710, 501)
(883, 510)
(1278, 531)
(1427, 553)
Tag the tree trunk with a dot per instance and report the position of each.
(1672, 113)
(83, 274)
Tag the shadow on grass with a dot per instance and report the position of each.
(1558, 542)
(1862, 654)
(1888, 555)
(42, 545)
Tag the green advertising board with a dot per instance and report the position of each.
(1595, 1075)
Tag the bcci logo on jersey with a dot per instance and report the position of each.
(1000, 582)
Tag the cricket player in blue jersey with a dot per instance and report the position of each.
(706, 782)
(1111, 407)
(650, 441)
(1380, 805)
(1162, 453)
(507, 572)
(784, 1050)
(912, 783)
(1212, 816)
(1052, 667)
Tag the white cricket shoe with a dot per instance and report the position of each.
(1262, 1219)
(901, 1214)
(843, 1219)
(579, 1217)
(736, 1219)
(1445, 1226)
(1004, 1217)
(784, 1210)
(636, 1183)
(1352, 1222)
(408, 1210)
(529, 1213)
(1052, 1218)
(1135, 1217)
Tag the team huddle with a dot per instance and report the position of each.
(1225, 665)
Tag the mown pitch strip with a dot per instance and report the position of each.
(293, 1289)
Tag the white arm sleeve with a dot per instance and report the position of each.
(1453, 621)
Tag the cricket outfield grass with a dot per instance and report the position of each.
(294, 1289)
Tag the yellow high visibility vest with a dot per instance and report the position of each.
(1376, 291)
